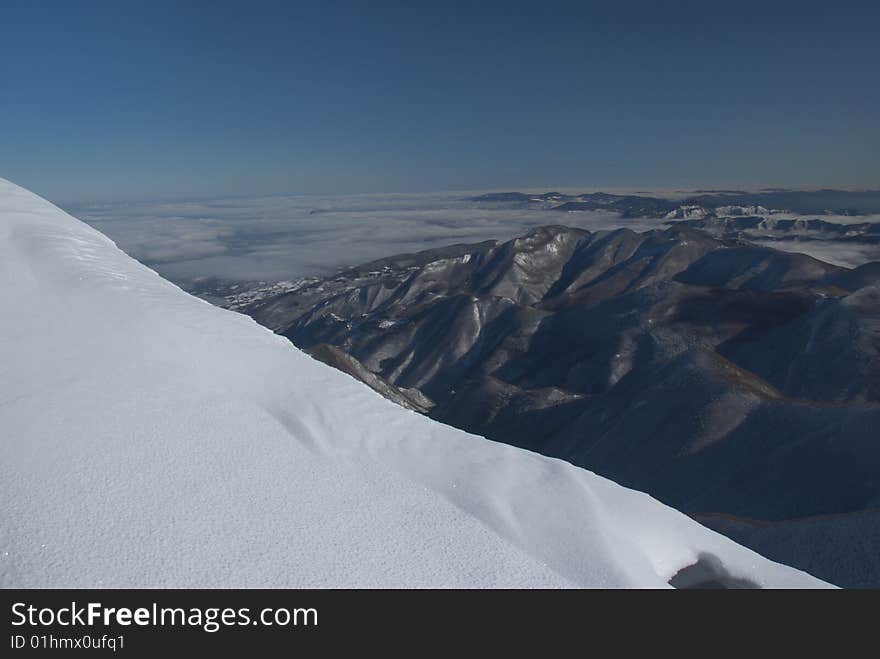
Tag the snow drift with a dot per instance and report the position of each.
(149, 439)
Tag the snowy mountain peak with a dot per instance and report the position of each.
(151, 439)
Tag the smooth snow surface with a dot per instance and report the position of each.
(148, 438)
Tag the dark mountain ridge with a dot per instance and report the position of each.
(718, 375)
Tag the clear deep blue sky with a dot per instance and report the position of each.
(141, 100)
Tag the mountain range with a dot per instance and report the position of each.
(700, 204)
(761, 227)
(150, 439)
(735, 382)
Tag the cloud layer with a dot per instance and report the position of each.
(278, 238)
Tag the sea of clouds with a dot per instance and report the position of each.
(277, 238)
(286, 237)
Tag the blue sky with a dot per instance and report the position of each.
(148, 100)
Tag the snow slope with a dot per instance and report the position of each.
(148, 438)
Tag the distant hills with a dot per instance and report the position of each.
(719, 203)
(770, 228)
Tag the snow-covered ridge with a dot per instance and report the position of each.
(148, 438)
